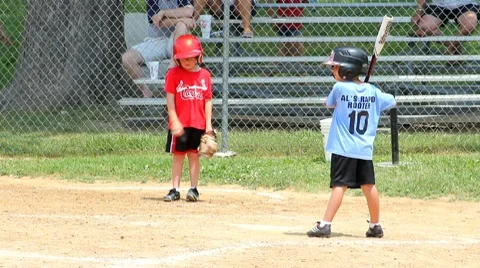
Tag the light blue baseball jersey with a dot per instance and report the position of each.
(355, 118)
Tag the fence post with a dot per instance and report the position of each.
(394, 135)
(225, 74)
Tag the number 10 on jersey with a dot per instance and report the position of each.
(356, 118)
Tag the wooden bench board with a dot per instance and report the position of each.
(425, 121)
(318, 20)
(386, 58)
(341, 39)
(310, 100)
(338, 5)
(329, 79)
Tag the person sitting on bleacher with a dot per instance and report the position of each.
(430, 17)
(289, 29)
(168, 20)
(239, 9)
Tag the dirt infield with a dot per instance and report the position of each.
(53, 223)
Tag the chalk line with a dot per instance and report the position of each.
(119, 262)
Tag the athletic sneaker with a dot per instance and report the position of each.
(193, 195)
(376, 231)
(318, 231)
(173, 195)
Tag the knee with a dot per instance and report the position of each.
(467, 23)
(128, 60)
(429, 24)
(181, 28)
(190, 10)
(245, 3)
(125, 59)
(468, 27)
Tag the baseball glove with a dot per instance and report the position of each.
(208, 145)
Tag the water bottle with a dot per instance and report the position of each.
(217, 34)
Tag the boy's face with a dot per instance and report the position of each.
(335, 72)
(188, 63)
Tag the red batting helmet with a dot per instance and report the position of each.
(187, 46)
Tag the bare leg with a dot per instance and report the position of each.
(177, 168)
(430, 25)
(194, 168)
(180, 29)
(132, 61)
(199, 6)
(371, 194)
(467, 24)
(334, 203)
(292, 49)
(215, 7)
(244, 8)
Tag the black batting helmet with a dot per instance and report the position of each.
(352, 61)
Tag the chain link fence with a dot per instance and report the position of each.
(61, 67)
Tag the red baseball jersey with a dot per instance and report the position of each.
(290, 12)
(191, 90)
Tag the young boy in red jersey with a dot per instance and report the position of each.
(189, 104)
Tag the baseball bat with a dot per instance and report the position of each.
(379, 43)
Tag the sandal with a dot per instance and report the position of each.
(247, 35)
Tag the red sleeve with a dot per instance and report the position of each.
(171, 81)
(209, 93)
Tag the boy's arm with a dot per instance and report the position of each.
(208, 115)
(331, 100)
(330, 106)
(387, 100)
(175, 125)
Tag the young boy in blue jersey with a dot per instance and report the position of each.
(357, 107)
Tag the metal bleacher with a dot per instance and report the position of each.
(265, 88)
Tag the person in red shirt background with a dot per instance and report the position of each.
(189, 103)
(289, 29)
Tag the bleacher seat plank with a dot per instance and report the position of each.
(308, 100)
(264, 59)
(341, 39)
(328, 79)
(339, 5)
(318, 20)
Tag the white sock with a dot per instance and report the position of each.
(323, 223)
(371, 224)
(177, 189)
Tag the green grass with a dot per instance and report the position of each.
(433, 165)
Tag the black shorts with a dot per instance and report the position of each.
(446, 14)
(288, 32)
(351, 172)
(188, 142)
